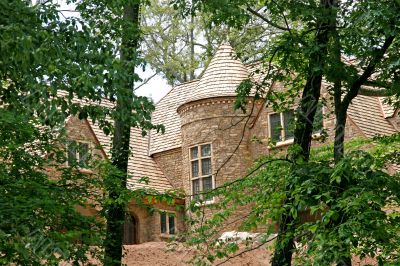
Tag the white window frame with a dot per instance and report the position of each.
(168, 214)
(282, 122)
(200, 176)
(78, 156)
(282, 131)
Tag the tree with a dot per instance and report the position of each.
(47, 62)
(308, 49)
(180, 47)
(121, 138)
(38, 208)
(369, 229)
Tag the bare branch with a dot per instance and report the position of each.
(145, 81)
(283, 15)
(68, 10)
(270, 22)
(355, 87)
(238, 180)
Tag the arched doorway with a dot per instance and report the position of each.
(130, 230)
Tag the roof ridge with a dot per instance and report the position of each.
(387, 113)
(173, 87)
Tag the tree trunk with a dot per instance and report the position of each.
(120, 150)
(304, 125)
(340, 126)
(338, 153)
(192, 61)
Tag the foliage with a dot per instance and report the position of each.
(39, 222)
(361, 27)
(180, 47)
(47, 62)
(322, 193)
(41, 198)
(351, 44)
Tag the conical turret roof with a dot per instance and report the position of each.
(222, 76)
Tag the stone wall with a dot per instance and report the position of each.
(80, 130)
(259, 136)
(236, 141)
(149, 224)
(214, 121)
(170, 162)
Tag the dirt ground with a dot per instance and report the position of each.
(161, 254)
(158, 253)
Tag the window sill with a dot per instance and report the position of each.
(85, 171)
(80, 169)
(167, 236)
(314, 136)
(281, 144)
(205, 203)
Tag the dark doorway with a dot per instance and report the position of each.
(130, 230)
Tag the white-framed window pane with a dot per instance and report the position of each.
(207, 183)
(288, 119)
(206, 166)
(196, 187)
(163, 217)
(72, 150)
(275, 127)
(195, 168)
(83, 154)
(171, 224)
(194, 153)
(207, 186)
(205, 150)
(318, 120)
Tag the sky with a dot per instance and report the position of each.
(155, 88)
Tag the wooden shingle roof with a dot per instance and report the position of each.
(388, 110)
(140, 164)
(222, 76)
(166, 114)
(367, 113)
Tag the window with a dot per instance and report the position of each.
(201, 171)
(318, 120)
(281, 126)
(167, 223)
(78, 153)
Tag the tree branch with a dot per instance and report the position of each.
(145, 81)
(247, 250)
(355, 87)
(270, 22)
